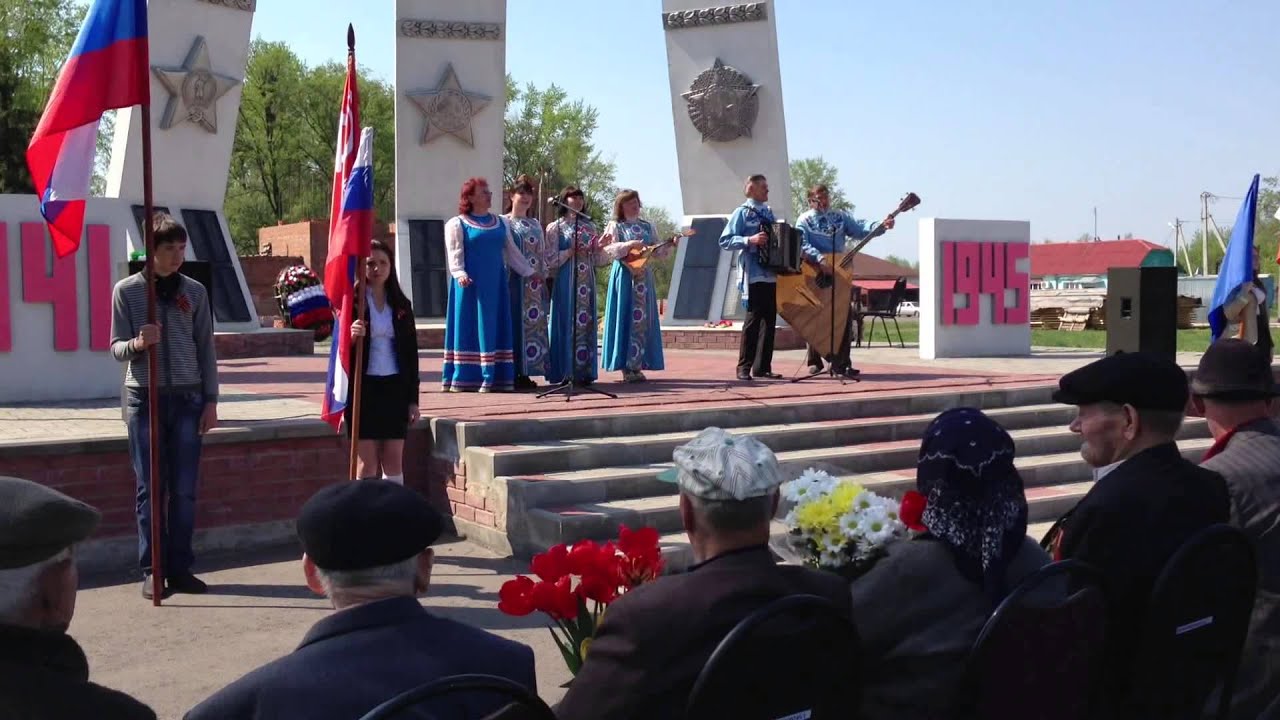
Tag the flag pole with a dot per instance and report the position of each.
(153, 386)
(357, 366)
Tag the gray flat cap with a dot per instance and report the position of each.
(38, 522)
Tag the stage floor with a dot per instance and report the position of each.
(289, 389)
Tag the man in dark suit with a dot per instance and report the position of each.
(1146, 501)
(655, 639)
(44, 674)
(367, 547)
(1234, 390)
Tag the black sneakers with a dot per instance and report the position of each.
(188, 584)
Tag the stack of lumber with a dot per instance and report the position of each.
(1067, 309)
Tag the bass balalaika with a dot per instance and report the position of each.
(781, 252)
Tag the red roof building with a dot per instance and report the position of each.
(1084, 264)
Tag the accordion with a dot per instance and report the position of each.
(781, 251)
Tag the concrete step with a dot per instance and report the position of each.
(1046, 456)
(597, 520)
(486, 463)
(453, 437)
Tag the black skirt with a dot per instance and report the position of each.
(384, 408)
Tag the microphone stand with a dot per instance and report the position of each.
(566, 386)
(831, 357)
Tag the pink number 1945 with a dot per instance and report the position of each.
(59, 287)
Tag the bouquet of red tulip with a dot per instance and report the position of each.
(570, 577)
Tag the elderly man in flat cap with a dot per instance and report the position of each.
(1146, 501)
(367, 547)
(1234, 389)
(44, 674)
(655, 639)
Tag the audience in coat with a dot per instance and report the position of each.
(1147, 499)
(44, 675)
(920, 608)
(655, 639)
(1234, 389)
(367, 547)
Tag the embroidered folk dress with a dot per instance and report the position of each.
(530, 299)
(477, 336)
(573, 306)
(632, 333)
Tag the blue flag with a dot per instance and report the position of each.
(1237, 267)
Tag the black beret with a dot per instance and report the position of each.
(1147, 381)
(1234, 368)
(37, 522)
(362, 524)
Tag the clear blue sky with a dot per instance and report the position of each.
(1034, 110)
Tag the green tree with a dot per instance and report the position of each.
(35, 38)
(807, 172)
(549, 138)
(914, 265)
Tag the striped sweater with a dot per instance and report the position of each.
(186, 359)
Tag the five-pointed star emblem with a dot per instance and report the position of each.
(722, 103)
(448, 108)
(194, 90)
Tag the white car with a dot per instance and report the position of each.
(908, 309)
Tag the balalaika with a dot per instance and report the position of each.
(781, 252)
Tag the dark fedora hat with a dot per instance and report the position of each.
(1234, 369)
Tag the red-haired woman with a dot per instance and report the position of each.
(477, 335)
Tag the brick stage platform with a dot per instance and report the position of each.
(271, 451)
(431, 337)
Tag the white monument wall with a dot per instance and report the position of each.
(974, 288)
(450, 81)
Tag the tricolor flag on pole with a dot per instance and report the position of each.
(348, 247)
(107, 69)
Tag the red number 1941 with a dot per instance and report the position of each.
(59, 287)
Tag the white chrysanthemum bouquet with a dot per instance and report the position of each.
(838, 524)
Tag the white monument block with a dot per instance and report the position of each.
(199, 53)
(726, 101)
(450, 102)
(974, 288)
(55, 314)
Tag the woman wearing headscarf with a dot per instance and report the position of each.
(920, 608)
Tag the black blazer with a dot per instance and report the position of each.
(1129, 524)
(655, 639)
(44, 676)
(406, 347)
(358, 658)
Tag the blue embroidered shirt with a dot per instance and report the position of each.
(830, 231)
(743, 223)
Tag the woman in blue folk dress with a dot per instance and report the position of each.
(477, 335)
(573, 307)
(632, 333)
(530, 299)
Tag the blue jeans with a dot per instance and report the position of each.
(180, 444)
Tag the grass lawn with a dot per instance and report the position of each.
(1192, 340)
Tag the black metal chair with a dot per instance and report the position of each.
(799, 654)
(1035, 661)
(896, 296)
(1196, 622)
(523, 704)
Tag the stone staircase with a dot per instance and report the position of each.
(569, 479)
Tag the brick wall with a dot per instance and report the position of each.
(260, 273)
(308, 240)
(695, 338)
(275, 342)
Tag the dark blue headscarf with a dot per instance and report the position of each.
(975, 503)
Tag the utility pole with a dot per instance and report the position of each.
(1204, 237)
(1180, 242)
(1095, 224)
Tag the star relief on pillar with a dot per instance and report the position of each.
(194, 89)
(448, 109)
(722, 103)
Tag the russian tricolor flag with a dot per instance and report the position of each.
(348, 247)
(107, 69)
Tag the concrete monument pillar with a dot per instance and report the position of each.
(726, 101)
(974, 288)
(199, 52)
(450, 101)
